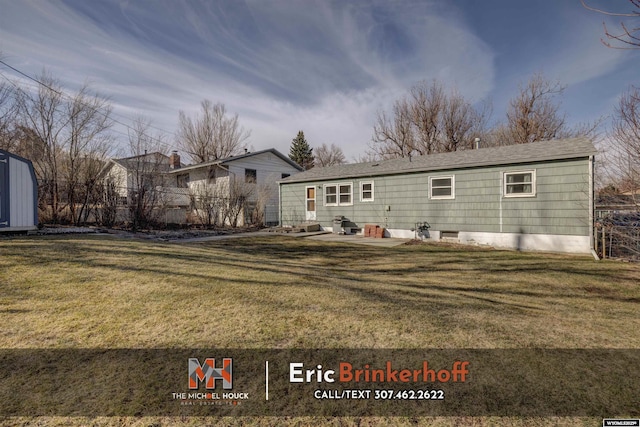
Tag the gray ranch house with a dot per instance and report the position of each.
(536, 196)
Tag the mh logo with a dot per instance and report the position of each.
(209, 373)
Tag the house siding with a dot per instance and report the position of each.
(121, 179)
(559, 207)
(269, 169)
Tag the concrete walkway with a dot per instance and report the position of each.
(359, 240)
(221, 237)
(322, 236)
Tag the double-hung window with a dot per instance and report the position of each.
(366, 191)
(520, 184)
(442, 187)
(338, 194)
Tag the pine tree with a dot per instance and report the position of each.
(300, 152)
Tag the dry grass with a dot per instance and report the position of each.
(281, 292)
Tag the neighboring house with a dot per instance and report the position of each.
(249, 179)
(536, 196)
(18, 194)
(615, 203)
(129, 174)
(226, 187)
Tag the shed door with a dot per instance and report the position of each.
(310, 201)
(4, 190)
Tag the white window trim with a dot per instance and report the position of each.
(324, 195)
(337, 185)
(533, 184)
(350, 184)
(362, 199)
(453, 187)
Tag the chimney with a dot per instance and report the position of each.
(174, 160)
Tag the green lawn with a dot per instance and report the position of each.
(284, 292)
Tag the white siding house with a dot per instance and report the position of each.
(247, 183)
(128, 174)
(251, 175)
(18, 194)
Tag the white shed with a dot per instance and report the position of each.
(18, 194)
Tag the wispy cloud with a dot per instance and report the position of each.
(322, 67)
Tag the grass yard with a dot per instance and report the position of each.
(284, 292)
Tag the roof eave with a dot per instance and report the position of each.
(295, 179)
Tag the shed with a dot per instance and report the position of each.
(18, 194)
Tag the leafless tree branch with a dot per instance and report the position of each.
(628, 38)
(212, 135)
(329, 155)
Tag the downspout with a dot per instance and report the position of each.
(280, 204)
(500, 200)
(592, 207)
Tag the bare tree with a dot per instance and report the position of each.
(66, 138)
(627, 37)
(108, 198)
(42, 111)
(329, 155)
(8, 112)
(534, 115)
(393, 137)
(427, 121)
(264, 194)
(239, 195)
(625, 136)
(8, 109)
(208, 201)
(367, 157)
(622, 225)
(86, 151)
(146, 167)
(212, 135)
(462, 123)
(426, 109)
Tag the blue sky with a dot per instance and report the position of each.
(324, 67)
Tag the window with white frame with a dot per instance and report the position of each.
(366, 191)
(520, 184)
(331, 195)
(442, 187)
(344, 196)
(338, 194)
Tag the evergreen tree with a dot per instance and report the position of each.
(300, 152)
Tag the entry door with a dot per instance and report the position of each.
(4, 190)
(310, 203)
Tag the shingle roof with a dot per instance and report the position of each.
(493, 156)
(160, 161)
(234, 158)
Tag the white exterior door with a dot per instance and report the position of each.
(310, 201)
